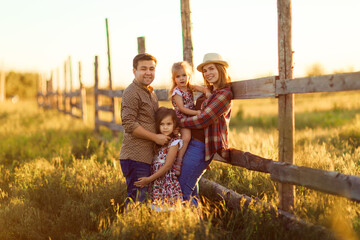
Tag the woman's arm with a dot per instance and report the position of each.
(180, 104)
(170, 158)
(218, 104)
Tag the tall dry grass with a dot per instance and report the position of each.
(58, 181)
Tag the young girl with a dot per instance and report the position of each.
(164, 187)
(183, 101)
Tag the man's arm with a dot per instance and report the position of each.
(129, 114)
(141, 132)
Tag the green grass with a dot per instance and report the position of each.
(58, 181)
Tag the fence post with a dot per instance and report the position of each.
(96, 86)
(58, 89)
(71, 86)
(286, 101)
(141, 45)
(109, 69)
(51, 90)
(186, 32)
(82, 98)
(64, 93)
(2, 86)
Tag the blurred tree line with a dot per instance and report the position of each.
(23, 85)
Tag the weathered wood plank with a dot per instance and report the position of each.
(113, 126)
(107, 108)
(76, 105)
(286, 119)
(254, 88)
(109, 93)
(247, 160)
(325, 83)
(96, 96)
(76, 93)
(215, 191)
(141, 44)
(162, 94)
(75, 116)
(186, 32)
(325, 181)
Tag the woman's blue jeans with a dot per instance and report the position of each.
(193, 167)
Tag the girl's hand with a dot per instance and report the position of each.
(142, 182)
(198, 112)
(176, 131)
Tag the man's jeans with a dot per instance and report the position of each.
(132, 171)
(193, 167)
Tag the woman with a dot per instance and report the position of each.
(209, 130)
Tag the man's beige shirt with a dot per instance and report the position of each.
(138, 107)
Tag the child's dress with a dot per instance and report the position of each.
(165, 189)
(188, 100)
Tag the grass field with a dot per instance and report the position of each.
(58, 181)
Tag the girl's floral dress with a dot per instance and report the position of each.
(188, 100)
(165, 189)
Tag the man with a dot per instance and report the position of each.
(138, 106)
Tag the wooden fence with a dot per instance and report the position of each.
(281, 87)
(69, 101)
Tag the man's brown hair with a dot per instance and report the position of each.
(143, 57)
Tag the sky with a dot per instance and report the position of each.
(40, 35)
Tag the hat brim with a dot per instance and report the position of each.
(200, 66)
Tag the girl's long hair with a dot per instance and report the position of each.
(160, 114)
(174, 69)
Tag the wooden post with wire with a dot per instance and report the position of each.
(141, 44)
(58, 89)
(96, 96)
(186, 32)
(286, 101)
(82, 102)
(109, 70)
(71, 87)
(64, 92)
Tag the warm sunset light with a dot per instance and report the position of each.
(106, 132)
(40, 35)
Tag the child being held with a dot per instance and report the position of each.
(182, 99)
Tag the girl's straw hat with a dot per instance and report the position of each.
(212, 58)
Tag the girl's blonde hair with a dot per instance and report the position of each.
(224, 78)
(175, 68)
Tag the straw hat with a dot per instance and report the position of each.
(212, 58)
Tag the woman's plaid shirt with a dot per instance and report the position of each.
(214, 118)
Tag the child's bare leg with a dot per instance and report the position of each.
(185, 136)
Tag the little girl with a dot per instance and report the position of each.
(164, 187)
(183, 101)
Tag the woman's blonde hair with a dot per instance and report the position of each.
(224, 78)
(175, 68)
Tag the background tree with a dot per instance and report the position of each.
(21, 84)
(315, 70)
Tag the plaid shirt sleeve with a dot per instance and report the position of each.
(218, 103)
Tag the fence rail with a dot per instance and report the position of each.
(66, 102)
(282, 87)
